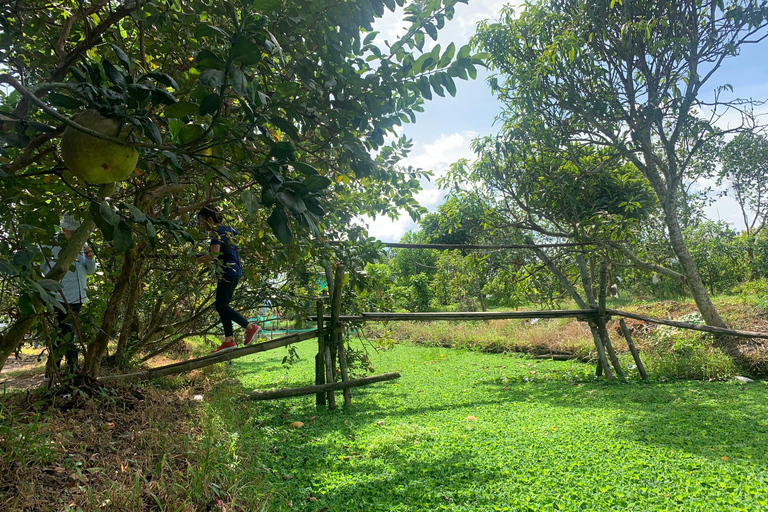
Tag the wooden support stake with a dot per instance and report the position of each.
(320, 357)
(336, 328)
(635, 353)
(601, 316)
(308, 390)
(344, 371)
(586, 281)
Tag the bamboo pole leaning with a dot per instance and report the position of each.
(308, 390)
(320, 356)
(633, 350)
(218, 357)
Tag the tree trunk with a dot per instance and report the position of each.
(129, 312)
(97, 348)
(15, 335)
(695, 284)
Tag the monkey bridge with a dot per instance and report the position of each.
(330, 330)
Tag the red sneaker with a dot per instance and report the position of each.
(252, 331)
(227, 345)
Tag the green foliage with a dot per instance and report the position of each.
(277, 111)
(720, 255)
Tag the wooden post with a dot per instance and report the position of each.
(344, 371)
(601, 316)
(336, 331)
(635, 353)
(320, 357)
(602, 361)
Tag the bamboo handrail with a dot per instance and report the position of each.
(218, 357)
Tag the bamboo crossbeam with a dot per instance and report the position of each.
(395, 245)
(688, 325)
(308, 390)
(218, 357)
(477, 315)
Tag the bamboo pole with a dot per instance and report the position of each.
(319, 357)
(687, 325)
(586, 281)
(528, 245)
(218, 357)
(308, 390)
(601, 316)
(463, 315)
(632, 349)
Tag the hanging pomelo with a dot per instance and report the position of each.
(96, 160)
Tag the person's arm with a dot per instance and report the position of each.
(88, 261)
(205, 258)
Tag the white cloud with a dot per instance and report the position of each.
(436, 156)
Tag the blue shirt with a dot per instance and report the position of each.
(229, 259)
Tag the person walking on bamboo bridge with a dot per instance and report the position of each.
(223, 250)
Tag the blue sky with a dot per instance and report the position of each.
(443, 133)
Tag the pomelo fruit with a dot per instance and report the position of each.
(96, 160)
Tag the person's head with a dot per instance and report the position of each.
(209, 216)
(68, 225)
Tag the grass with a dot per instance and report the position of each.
(470, 431)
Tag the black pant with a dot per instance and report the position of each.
(224, 292)
(65, 341)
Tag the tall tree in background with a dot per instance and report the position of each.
(745, 167)
(625, 76)
(274, 108)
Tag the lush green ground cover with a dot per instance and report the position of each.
(475, 431)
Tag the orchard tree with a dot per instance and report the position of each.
(272, 109)
(745, 168)
(627, 76)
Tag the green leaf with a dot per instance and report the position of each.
(26, 305)
(121, 56)
(246, 52)
(464, 52)
(108, 214)
(190, 132)
(251, 201)
(206, 30)
(161, 78)
(114, 74)
(151, 233)
(293, 203)
(212, 78)
(424, 87)
(60, 100)
(137, 214)
(316, 183)
(285, 126)
(123, 238)
(210, 104)
(50, 284)
(304, 168)
(106, 228)
(7, 268)
(447, 56)
(181, 109)
(278, 221)
(239, 81)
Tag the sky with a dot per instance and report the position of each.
(443, 133)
